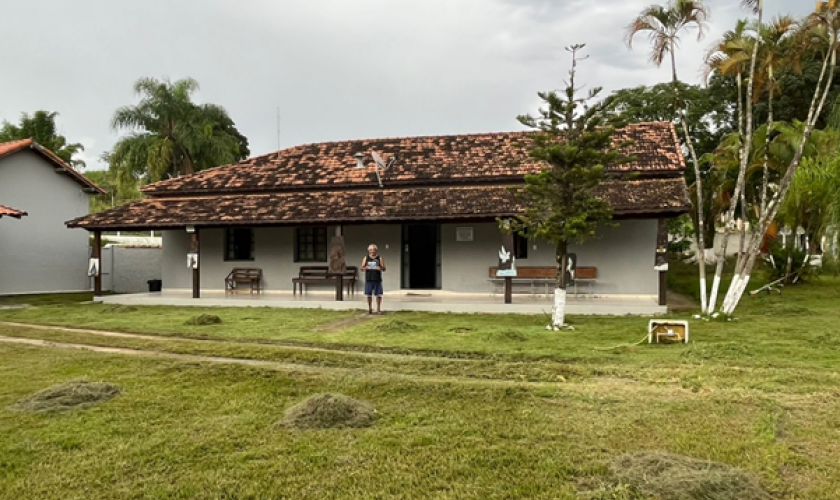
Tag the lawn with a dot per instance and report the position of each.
(472, 406)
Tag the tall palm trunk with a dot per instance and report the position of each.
(746, 148)
(698, 181)
(738, 286)
(765, 178)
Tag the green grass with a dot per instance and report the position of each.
(199, 431)
(45, 299)
(770, 330)
(472, 406)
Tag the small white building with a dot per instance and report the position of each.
(433, 214)
(38, 253)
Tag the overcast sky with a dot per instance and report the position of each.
(337, 69)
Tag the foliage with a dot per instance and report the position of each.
(575, 143)
(786, 260)
(169, 135)
(709, 117)
(107, 180)
(41, 128)
(663, 25)
(680, 230)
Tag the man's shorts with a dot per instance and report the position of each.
(373, 288)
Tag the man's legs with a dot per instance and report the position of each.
(370, 304)
(379, 304)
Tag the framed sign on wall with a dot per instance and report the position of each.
(464, 234)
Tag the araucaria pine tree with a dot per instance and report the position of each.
(574, 142)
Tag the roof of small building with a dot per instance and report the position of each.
(463, 177)
(11, 212)
(642, 196)
(8, 148)
(432, 160)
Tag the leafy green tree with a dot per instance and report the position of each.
(115, 197)
(574, 141)
(709, 119)
(170, 135)
(41, 128)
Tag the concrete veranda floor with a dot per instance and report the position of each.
(401, 301)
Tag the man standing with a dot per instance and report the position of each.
(374, 265)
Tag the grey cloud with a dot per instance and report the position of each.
(337, 69)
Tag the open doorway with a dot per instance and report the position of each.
(421, 257)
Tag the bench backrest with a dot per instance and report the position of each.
(241, 273)
(548, 272)
(586, 273)
(323, 271)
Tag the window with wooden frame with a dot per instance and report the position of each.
(520, 246)
(239, 244)
(311, 244)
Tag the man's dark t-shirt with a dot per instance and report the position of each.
(373, 268)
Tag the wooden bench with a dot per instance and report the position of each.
(320, 275)
(543, 276)
(251, 276)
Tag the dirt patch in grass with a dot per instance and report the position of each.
(328, 411)
(665, 476)
(461, 329)
(70, 396)
(343, 324)
(396, 326)
(119, 309)
(204, 320)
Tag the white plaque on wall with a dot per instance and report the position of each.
(464, 234)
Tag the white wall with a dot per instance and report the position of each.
(38, 253)
(129, 269)
(624, 256)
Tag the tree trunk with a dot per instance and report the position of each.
(744, 153)
(740, 104)
(698, 182)
(736, 290)
(558, 313)
(766, 176)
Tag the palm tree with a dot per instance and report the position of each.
(827, 17)
(170, 136)
(664, 25)
(729, 56)
(41, 128)
(776, 53)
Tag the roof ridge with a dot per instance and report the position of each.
(11, 147)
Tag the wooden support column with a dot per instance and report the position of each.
(195, 247)
(508, 290)
(338, 265)
(97, 254)
(661, 262)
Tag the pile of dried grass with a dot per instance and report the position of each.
(68, 396)
(397, 326)
(665, 476)
(203, 320)
(326, 411)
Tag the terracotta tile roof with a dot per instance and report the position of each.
(419, 160)
(11, 212)
(8, 148)
(645, 196)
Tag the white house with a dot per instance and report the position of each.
(38, 253)
(433, 213)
